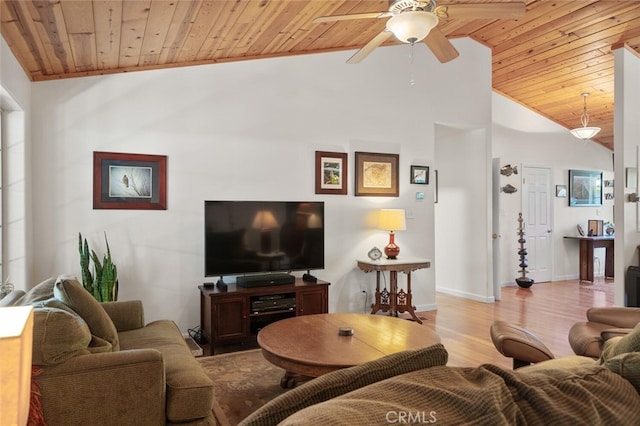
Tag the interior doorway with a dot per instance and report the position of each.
(536, 212)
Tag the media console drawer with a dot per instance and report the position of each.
(238, 314)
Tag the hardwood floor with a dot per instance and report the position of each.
(546, 309)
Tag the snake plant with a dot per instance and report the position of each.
(103, 283)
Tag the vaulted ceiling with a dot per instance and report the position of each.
(544, 60)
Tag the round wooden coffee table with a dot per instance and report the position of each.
(310, 345)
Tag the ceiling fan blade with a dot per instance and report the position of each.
(483, 10)
(369, 47)
(335, 18)
(440, 46)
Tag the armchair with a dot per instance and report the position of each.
(586, 338)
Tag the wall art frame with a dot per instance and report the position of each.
(419, 175)
(377, 174)
(129, 181)
(331, 172)
(561, 191)
(585, 188)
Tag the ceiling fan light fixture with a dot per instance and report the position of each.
(585, 132)
(412, 26)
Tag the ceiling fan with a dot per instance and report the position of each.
(412, 21)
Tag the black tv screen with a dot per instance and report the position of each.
(246, 237)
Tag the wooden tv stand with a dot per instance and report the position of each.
(227, 317)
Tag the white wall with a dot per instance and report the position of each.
(626, 129)
(244, 130)
(523, 138)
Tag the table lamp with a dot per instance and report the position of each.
(16, 336)
(392, 220)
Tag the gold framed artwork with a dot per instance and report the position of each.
(331, 172)
(377, 174)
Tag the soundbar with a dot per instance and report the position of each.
(262, 280)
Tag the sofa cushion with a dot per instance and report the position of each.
(485, 395)
(58, 335)
(187, 383)
(70, 292)
(42, 291)
(346, 380)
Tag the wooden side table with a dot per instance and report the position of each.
(394, 300)
(587, 244)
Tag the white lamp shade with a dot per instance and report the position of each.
(392, 220)
(585, 133)
(412, 26)
(16, 340)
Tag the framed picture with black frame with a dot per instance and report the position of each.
(419, 175)
(585, 188)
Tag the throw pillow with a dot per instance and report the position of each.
(42, 291)
(70, 292)
(346, 380)
(57, 336)
(621, 345)
(627, 366)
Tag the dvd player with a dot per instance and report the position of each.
(276, 303)
(262, 280)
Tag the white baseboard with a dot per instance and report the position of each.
(466, 295)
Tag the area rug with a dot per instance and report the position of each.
(243, 382)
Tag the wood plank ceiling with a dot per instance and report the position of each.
(544, 61)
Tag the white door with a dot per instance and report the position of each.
(536, 212)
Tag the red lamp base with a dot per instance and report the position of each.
(392, 250)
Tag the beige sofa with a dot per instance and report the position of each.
(416, 387)
(100, 364)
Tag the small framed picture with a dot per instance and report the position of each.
(331, 172)
(129, 181)
(420, 175)
(561, 191)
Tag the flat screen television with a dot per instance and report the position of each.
(252, 237)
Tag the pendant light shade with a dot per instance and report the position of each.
(412, 26)
(585, 132)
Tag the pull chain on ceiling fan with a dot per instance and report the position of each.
(412, 21)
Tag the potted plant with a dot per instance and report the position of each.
(103, 283)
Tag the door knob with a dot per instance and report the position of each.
(495, 236)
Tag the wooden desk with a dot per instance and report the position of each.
(394, 300)
(587, 244)
(310, 346)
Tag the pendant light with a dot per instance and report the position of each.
(585, 132)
